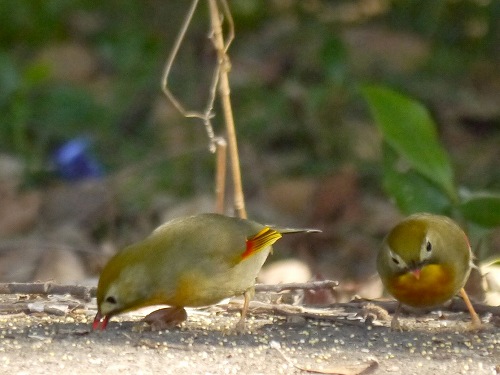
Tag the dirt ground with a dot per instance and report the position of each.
(59, 342)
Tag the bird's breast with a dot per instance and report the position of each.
(436, 284)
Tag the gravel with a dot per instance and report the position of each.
(39, 343)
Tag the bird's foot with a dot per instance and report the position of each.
(396, 325)
(241, 327)
(475, 324)
(166, 318)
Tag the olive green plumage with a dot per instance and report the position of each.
(192, 261)
(424, 261)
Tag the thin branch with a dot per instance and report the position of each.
(86, 293)
(456, 305)
(77, 291)
(30, 308)
(229, 18)
(219, 80)
(312, 285)
(347, 313)
(224, 92)
(207, 114)
(318, 313)
(220, 178)
(170, 62)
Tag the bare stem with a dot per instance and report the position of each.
(224, 92)
(207, 115)
(312, 285)
(220, 178)
(170, 62)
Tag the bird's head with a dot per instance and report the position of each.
(410, 246)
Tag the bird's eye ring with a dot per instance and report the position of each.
(395, 260)
(428, 246)
(111, 299)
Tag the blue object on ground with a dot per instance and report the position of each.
(74, 161)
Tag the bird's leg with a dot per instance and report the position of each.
(248, 295)
(475, 319)
(395, 325)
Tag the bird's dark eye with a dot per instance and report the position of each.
(428, 247)
(395, 260)
(111, 299)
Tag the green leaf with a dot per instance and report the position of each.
(409, 129)
(482, 209)
(411, 190)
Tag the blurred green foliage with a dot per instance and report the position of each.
(467, 25)
(417, 170)
(296, 92)
(38, 112)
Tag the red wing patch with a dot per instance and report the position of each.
(266, 237)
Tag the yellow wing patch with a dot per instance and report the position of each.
(266, 237)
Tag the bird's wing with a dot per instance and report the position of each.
(266, 237)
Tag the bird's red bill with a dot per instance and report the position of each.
(416, 273)
(100, 322)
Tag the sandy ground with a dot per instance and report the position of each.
(41, 343)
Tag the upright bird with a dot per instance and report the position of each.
(425, 260)
(187, 262)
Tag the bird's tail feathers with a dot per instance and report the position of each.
(295, 230)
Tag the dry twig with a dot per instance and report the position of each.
(220, 177)
(224, 91)
(29, 308)
(220, 80)
(347, 313)
(331, 314)
(312, 285)
(47, 288)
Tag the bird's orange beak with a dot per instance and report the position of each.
(416, 273)
(100, 322)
